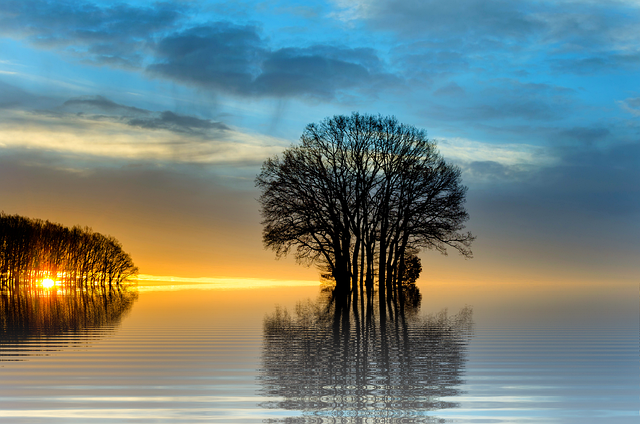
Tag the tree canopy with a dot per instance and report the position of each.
(358, 195)
(32, 250)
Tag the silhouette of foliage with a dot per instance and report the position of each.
(412, 267)
(32, 250)
(359, 195)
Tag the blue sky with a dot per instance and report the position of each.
(149, 120)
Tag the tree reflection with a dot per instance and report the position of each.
(34, 313)
(347, 363)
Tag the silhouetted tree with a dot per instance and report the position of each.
(359, 193)
(77, 258)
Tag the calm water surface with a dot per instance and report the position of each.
(200, 354)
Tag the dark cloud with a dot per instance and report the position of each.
(588, 136)
(177, 123)
(219, 56)
(234, 59)
(587, 173)
(584, 209)
(99, 107)
(602, 175)
(87, 104)
(588, 181)
(114, 34)
(321, 71)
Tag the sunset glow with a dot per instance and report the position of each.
(48, 283)
(319, 211)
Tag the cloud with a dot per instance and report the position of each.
(220, 56)
(488, 37)
(491, 162)
(567, 25)
(112, 35)
(585, 135)
(502, 100)
(99, 107)
(87, 104)
(321, 72)
(488, 170)
(578, 180)
(234, 59)
(95, 127)
(631, 105)
(452, 19)
(178, 123)
(601, 173)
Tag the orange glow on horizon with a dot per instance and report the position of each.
(48, 283)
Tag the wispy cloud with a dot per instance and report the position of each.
(631, 105)
(165, 136)
(489, 162)
(507, 154)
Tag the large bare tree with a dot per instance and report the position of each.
(357, 195)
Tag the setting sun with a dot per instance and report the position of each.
(48, 283)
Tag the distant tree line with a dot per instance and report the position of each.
(360, 196)
(32, 250)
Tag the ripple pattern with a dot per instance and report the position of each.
(135, 375)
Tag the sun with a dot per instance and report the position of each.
(48, 283)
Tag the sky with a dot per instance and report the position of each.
(149, 121)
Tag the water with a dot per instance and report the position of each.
(204, 354)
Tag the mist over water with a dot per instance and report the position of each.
(292, 355)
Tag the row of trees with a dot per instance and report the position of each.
(359, 196)
(32, 250)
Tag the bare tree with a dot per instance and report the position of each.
(359, 193)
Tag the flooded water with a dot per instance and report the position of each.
(206, 353)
